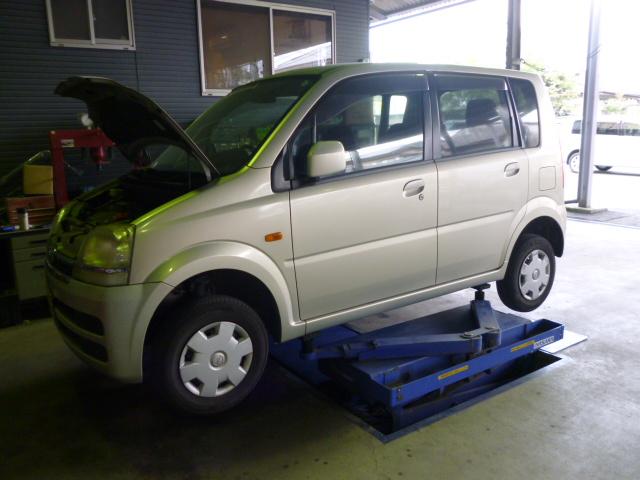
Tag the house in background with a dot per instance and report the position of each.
(181, 53)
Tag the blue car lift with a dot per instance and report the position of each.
(422, 367)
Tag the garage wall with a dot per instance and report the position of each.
(165, 66)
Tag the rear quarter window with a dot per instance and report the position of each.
(524, 94)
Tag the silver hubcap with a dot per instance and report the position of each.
(216, 359)
(574, 163)
(534, 274)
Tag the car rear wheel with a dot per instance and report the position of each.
(210, 356)
(529, 275)
(603, 168)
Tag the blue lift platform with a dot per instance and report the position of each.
(402, 374)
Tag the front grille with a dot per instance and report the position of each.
(81, 320)
(92, 349)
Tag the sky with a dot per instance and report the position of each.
(554, 34)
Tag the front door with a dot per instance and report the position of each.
(369, 233)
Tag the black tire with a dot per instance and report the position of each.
(509, 288)
(167, 350)
(603, 168)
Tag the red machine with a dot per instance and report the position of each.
(93, 139)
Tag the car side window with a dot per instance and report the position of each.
(524, 94)
(379, 120)
(474, 114)
(608, 128)
(397, 109)
(577, 127)
(630, 129)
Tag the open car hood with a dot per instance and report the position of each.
(128, 117)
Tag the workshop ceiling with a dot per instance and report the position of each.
(383, 9)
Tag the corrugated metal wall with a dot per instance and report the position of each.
(165, 66)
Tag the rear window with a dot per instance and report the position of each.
(524, 95)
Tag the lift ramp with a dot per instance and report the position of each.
(404, 373)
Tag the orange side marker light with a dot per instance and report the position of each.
(273, 237)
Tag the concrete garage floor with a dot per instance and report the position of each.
(581, 419)
(616, 189)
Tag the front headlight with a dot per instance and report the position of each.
(105, 255)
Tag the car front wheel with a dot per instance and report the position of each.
(530, 274)
(603, 168)
(210, 355)
(574, 162)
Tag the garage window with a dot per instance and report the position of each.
(90, 23)
(243, 40)
(301, 40)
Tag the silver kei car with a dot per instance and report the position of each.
(298, 202)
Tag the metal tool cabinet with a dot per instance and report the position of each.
(23, 275)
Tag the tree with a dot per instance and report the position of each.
(618, 104)
(563, 88)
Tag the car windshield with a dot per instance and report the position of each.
(235, 127)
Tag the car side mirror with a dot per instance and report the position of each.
(326, 158)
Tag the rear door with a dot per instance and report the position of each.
(483, 173)
(370, 233)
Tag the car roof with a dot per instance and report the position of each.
(349, 69)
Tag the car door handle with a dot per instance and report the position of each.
(511, 169)
(414, 187)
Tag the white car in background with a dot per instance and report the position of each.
(617, 142)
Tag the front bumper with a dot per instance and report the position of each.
(105, 326)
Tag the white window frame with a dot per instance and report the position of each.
(219, 92)
(105, 43)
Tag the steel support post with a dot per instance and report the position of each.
(590, 108)
(513, 35)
